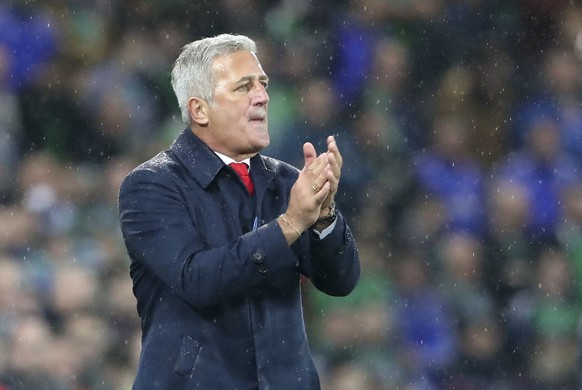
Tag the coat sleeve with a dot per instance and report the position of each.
(332, 264)
(162, 239)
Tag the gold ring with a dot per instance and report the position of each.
(315, 187)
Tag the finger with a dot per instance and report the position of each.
(322, 194)
(319, 182)
(332, 148)
(317, 166)
(322, 174)
(333, 179)
(309, 153)
(334, 165)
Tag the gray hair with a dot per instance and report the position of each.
(192, 74)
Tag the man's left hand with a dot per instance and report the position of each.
(333, 173)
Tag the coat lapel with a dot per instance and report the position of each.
(203, 164)
(200, 161)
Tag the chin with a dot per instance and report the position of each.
(262, 143)
(260, 136)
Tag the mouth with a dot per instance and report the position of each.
(258, 117)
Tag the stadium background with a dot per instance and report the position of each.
(460, 122)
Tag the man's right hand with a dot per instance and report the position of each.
(308, 193)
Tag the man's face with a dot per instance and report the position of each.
(237, 118)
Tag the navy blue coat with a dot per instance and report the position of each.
(217, 285)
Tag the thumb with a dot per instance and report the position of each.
(309, 153)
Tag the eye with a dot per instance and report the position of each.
(265, 84)
(243, 87)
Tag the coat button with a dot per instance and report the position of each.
(341, 249)
(263, 269)
(258, 257)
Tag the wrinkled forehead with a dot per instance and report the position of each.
(237, 65)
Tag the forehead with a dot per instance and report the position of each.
(233, 66)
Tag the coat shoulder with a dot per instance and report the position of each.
(154, 169)
(160, 163)
(281, 168)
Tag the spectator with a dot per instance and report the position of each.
(424, 327)
(545, 172)
(84, 95)
(448, 172)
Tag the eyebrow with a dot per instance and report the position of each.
(262, 77)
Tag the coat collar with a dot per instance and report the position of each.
(203, 164)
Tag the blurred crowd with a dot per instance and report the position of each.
(460, 123)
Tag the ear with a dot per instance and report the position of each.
(198, 109)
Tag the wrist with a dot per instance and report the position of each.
(330, 216)
(290, 224)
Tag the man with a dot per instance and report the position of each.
(216, 266)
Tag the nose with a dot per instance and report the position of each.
(260, 96)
